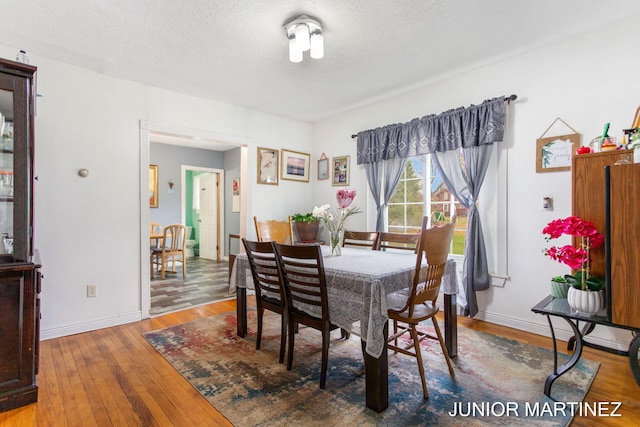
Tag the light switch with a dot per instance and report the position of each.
(547, 203)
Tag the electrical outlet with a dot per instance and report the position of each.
(92, 291)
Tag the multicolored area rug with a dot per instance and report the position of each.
(498, 381)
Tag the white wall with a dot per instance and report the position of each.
(86, 226)
(88, 230)
(587, 81)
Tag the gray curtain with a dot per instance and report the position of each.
(470, 131)
(383, 177)
(464, 177)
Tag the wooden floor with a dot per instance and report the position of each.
(113, 377)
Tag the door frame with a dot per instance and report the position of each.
(220, 195)
(147, 130)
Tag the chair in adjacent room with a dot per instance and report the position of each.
(171, 250)
(274, 231)
(401, 241)
(155, 230)
(409, 307)
(360, 239)
(302, 275)
(268, 287)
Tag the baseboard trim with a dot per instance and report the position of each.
(562, 333)
(93, 325)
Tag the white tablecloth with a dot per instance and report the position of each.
(358, 282)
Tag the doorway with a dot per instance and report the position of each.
(185, 137)
(202, 209)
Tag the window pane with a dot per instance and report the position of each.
(409, 204)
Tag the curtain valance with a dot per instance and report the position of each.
(461, 127)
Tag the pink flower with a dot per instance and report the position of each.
(572, 226)
(345, 197)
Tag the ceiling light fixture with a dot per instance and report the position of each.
(304, 34)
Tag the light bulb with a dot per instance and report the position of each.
(302, 37)
(317, 45)
(295, 54)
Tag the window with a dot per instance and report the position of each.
(410, 202)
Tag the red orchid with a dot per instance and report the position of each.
(574, 257)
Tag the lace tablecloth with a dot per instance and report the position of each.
(358, 282)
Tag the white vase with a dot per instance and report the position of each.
(587, 303)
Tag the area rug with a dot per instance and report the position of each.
(498, 381)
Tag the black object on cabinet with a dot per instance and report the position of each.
(19, 268)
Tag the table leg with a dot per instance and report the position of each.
(558, 371)
(241, 311)
(377, 376)
(451, 325)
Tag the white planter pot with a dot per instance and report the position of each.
(587, 303)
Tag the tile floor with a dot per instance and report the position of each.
(206, 281)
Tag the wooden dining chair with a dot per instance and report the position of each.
(401, 241)
(268, 287)
(361, 239)
(273, 230)
(302, 276)
(409, 307)
(171, 250)
(155, 229)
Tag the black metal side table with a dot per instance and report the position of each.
(559, 307)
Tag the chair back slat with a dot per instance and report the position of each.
(402, 241)
(274, 231)
(174, 238)
(302, 272)
(363, 239)
(264, 269)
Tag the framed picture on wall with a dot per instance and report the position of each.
(153, 186)
(323, 169)
(267, 166)
(295, 166)
(340, 170)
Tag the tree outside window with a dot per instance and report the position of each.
(410, 202)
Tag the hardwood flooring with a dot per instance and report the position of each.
(113, 377)
(206, 281)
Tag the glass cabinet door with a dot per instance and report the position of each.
(16, 162)
(6, 172)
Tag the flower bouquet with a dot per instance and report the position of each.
(575, 257)
(335, 220)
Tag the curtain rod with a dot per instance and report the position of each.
(507, 99)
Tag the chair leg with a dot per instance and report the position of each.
(291, 342)
(416, 344)
(443, 346)
(184, 266)
(344, 334)
(163, 263)
(326, 332)
(259, 332)
(283, 336)
(395, 332)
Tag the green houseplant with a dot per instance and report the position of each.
(307, 227)
(559, 287)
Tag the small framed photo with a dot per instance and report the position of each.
(340, 170)
(323, 169)
(555, 153)
(153, 186)
(295, 166)
(268, 166)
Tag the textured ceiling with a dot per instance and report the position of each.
(235, 51)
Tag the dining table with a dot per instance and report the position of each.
(358, 282)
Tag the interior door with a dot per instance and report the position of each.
(209, 216)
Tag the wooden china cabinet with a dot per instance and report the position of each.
(606, 191)
(19, 267)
